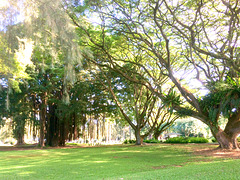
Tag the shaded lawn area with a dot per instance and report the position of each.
(117, 162)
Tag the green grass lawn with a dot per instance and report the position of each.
(116, 162)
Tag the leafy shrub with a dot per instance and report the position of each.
(72, 144)
(187, 140)
(132, 141)
(198, 140)
(213, 140)
(147, 140)
(177, 140)
(151, 141)
(129, 141)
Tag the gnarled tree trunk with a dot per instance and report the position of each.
(226, 138)
(227, 141)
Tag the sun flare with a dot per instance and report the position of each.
(4, 3)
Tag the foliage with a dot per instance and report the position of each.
(238, 139)
(186, 140)
(172, 99)
(140, 51)
(224, 98)
(177, 140)
(130, 141)
(213, 140)
(185, 112)
(198, 140)
(6, 133)
(185, 41)
(190, 127)
(151, 141)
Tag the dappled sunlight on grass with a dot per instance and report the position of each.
(114, 152)
(18, 167)
(61, 154)
(97, 163)
(25, 173)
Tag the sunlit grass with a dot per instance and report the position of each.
(115, 162)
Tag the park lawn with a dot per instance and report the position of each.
(116, 162)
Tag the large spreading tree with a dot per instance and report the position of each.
(172, 45)
(187, 41)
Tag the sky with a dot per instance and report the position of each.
(3, 3)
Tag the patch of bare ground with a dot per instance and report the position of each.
(16, 148)
(220, 153)
(163, 167)
(159, 167)
(196, 149)
(117, 157)
(35, 146)
(210, 150)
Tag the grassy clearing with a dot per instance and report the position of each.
(116, 162)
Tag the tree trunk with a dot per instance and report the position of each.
(156, 134)
(42, 126)
(75, 129)
(20, 139)
(110, 131)
(62, 133)
(232, 129)
(84, 120)
(53, 127)
(66, 130)
(70, 128)
(103, 129)
(83, 133)
(19, 129)
(43, 114)
(97, 129)
(90, 129)
(34, 132)
(138, 136)
(226, 139)
(42, 131)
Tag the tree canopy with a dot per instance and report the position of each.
(154, 61)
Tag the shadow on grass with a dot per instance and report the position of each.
(96, 162)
